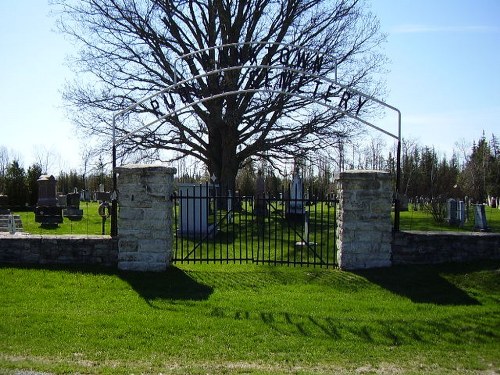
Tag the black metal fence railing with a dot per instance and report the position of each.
(214, 228)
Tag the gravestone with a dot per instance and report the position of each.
(295, 209)
(194, 211)
(452, 212)
(84, 196)
(403, 202)
(72, 211)
(61, 200)
(461, 213)
(6, 224)
(467, 205)
(480, 223)
(47, 190)
(103, 196)
(47, 212)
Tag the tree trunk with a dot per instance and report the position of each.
(223, 162)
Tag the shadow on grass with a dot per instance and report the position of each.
(426, 284)
(173, 284)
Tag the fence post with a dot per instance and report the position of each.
(145, 237)
(364, 231)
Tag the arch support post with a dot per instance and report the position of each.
(145, 237)
(364, 231)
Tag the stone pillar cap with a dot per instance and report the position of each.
(364, 173)
(46, 177)
(146, 167)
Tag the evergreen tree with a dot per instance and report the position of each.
(474, 175)
(493, 175)
(245, 181)
(32, 176)
(15, 185)
(67, 182)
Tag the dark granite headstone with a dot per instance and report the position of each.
(47, 212)
(73, 211)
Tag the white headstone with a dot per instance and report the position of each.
(194, 210)
(296, 203)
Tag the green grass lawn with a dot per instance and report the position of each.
(270, 239)
(421, 220)
(90, 224)
(212, 319)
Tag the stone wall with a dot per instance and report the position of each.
(407, 248)
(145, 230)
(145, 217)
(364, 230)
(50, 249)
(441, 247)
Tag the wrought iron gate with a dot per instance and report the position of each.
(214, 228)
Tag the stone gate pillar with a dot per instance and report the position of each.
(364, 230)
(145, 237)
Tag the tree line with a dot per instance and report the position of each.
(21, 186)
(474, 173)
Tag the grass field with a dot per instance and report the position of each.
(213, 319)
(90, 224)
(421, 220)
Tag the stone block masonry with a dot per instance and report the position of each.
(364, 231)
(418, 247)
(145, 236)
(68, 249)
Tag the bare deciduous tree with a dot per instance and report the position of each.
(132, 48)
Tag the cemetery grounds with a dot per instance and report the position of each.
(91, 223)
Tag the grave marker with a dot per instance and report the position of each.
(480, 223)
(295, 209)
(72, 210)
(194, 210)
(47, 212)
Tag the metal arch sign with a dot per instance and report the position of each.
(286, 55)
(324, 99)
(344, 95)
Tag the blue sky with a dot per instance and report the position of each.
(443, 76)
(444, 71)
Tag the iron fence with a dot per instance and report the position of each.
(211, 227)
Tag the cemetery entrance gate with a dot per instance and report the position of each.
(275, 227)
(211, 227)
